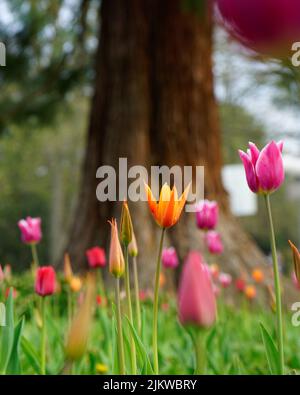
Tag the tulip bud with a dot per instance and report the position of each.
(126, 225)
(68, 273)
(116, 258)
(133, 248)
(214, 242)
(207, 214)
(45, 281)
(75, 284)
(80, 327)
(96, 257)
(196, 299)
(296, 259)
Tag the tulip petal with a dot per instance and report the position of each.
(151, 201)
(250, 172)
(269, 168)
(254, 153)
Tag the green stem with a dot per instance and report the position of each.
(155, 303)
(137, 296)
(130, 315)
(200, 352)
(102, 291)
(34, 256)
(120, 330)
(43, 337)
(277, 287)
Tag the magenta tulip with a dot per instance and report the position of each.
(264, 169)
(214, 242)
(30, 230)
(169, 258)
(207, 214)
(96, 257)
(45, 281)
(225, 280)
(267, 26)
(196, 299)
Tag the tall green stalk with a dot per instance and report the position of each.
(34, 256)
(137, 295)
(200, 351)
(277, 287)
(119, 328)
(130, 315)
(43, 337)
(155, 304)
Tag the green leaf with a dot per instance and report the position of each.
(14, 366)
(271, 351)
(141, 350)
(31, 355)
(7, 333)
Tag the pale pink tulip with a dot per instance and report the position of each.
(196, 299)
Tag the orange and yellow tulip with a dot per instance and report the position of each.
(167, 210)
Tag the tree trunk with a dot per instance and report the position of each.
(154, 104)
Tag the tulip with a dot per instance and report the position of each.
(13, 290)
(126, 226)
(80, 328)
(117, 269)
(258, 276)
(169, 258)
(196, 302)
(250, 292)
(1, 275)
(45, 281)
(265, 174)
(225, 280)
(296, 261)
(267, 26)
(167, 210)
(207, 214)
(214, 242)
(45, 284)
(295, 280)
(264, 169)
(240, 284)
(75, 284)
(30, 230)
(7, 271)
(96, 257)
(133, 248)
(166, 213)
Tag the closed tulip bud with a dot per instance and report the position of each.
(96, 257)
(214, 242)
(45, 281)
(126, 225)
(169, 258)
(79, 331)
(196, 298)
(264, 169)
(296, 260)
(68, 273)
(30, 230)
(207, 214)
(116, 258)
(75, 284)
(133, 248)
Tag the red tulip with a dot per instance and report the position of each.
(240, 284)
(45, 281)
(196, 299)
(264, 169)
(267, 26)
(96, 257)
(30, 230)
(207, 214)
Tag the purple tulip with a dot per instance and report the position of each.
(169, 258)
(30, 230)
(268, 26)
(207, 214)
(264, 170)
(214, 242)
(196, 299)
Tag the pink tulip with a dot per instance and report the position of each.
(45, 281)
(30, 230)
(225, 280)
(207, 214)
(196, 299)
(214, 242)
(269, 26)
(264, 169)
(295, 281)
(96, 257)
(1, 274)
(169, 258)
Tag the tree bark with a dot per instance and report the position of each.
(154, 104)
